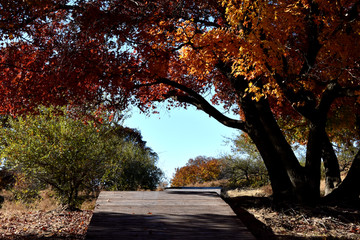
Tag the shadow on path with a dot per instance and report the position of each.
(137, 226)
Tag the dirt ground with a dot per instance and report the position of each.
(256, 210)
(43, 219)
(39, 224)
(267, 221)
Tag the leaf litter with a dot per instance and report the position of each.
(267, 221)
(40, 224)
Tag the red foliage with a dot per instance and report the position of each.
(289, 59)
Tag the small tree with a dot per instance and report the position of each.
(245, 167)
(245, 172)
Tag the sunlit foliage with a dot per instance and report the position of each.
(72, 155)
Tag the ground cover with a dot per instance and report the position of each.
(265, 220)
(42, 219)
(39, 224)
(268, 221)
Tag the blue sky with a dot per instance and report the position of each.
(180, 134)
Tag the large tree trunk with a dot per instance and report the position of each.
(255, 118)
(279, 179)
(349, 189)
(288, 178)
(280, 182)
(283, 166)
(313, 162)
(331, 165)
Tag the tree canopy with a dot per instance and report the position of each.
(264, 60)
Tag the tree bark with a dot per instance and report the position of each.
(283, 166)
(263, 129)
(349, 189)
(288, 178)
(331, 165)
(280, 182)
(313, 163)
(275, 151)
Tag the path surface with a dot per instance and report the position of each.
(165, 215)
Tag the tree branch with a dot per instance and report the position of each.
(27, 21)
(195, 99)
(314, 45)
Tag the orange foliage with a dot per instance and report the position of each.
(264, 60)
(290, 52)
(197, 170)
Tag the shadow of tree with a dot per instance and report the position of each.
(256, 227)
(159, 226)
(264, 232)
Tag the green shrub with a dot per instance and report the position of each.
(71, 156)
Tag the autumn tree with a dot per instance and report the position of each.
(199, 170)
(263, 60)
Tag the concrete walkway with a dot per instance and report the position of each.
(176, 214)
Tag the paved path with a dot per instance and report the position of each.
(165, 215)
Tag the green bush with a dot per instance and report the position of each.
(71, 155)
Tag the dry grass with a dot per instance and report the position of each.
(45, 203)
(216, 183)
(264, 191)
(261, 192)
(88, 205)
(258, 192)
